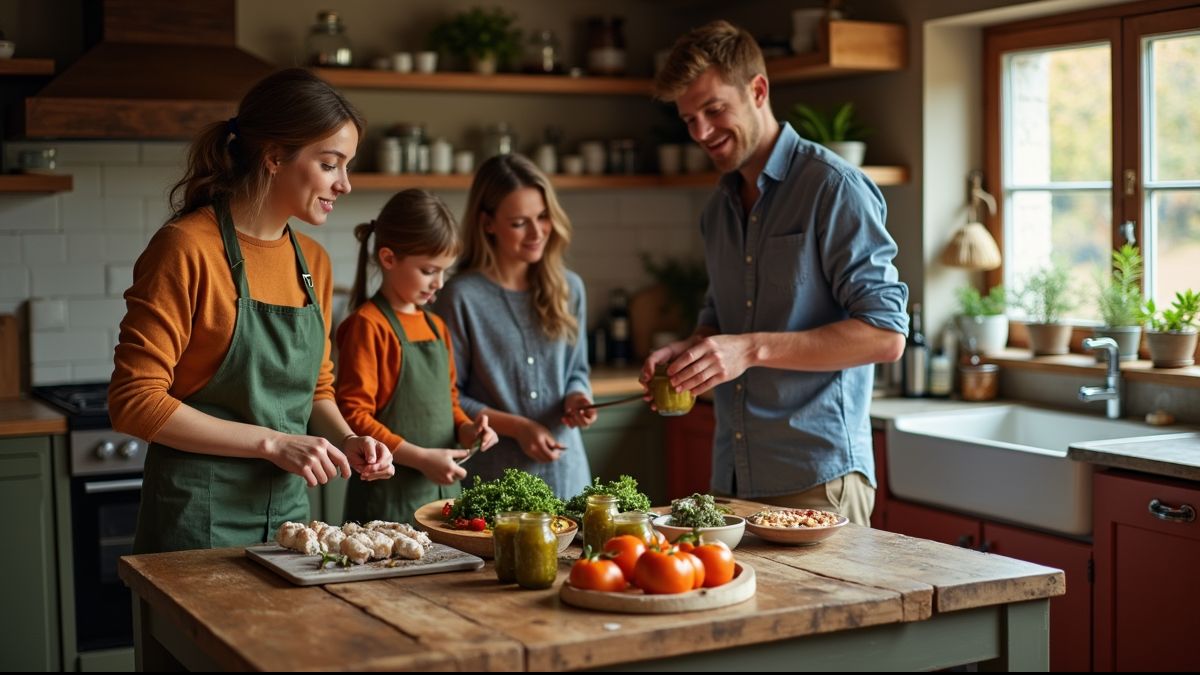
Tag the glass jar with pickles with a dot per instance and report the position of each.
(504, 538)
(636, 523)
(536, 551)
(598, 517)
(667, 401)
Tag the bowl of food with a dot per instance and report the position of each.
(729, 534)
(433, 518)
(798, 527)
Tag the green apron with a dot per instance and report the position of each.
(192, 500)
(422, 412)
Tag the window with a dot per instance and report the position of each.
(1093, 140)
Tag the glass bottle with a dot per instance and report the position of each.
(504, 536)
(606, 45)
(916, 359)
(620, 346)
(635, 523)
(498, 139)
(598, 526)
(543, 54)
(536, 551)
(327, 44)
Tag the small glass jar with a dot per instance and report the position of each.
(667, 401)
(390, 158)
(635, 523)
(536, 551)
(504, 537)
(980, 381)
(598, 525)
(498, 139)
(543, 54)
(606, 45)
(327, 44)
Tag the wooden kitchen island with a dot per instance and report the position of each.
(862, 600)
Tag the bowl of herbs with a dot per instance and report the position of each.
(700, 513)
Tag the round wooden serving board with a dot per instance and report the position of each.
(430, 519)
(633, 601)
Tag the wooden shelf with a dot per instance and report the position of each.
(848, 48)
(501, 83)
(1085, 364)
(882, 175)
(34, 182)
(26, 66)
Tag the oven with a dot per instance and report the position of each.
(105, 489)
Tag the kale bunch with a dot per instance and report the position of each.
(697, 511)
(516, 490)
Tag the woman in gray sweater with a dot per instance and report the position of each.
(517, 318)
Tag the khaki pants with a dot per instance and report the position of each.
(851, 495)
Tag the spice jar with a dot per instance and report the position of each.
(536, 551)
(504, 537)
(635, 523)
(980, 381)
(598, 525)
(667, 401)
(327, 44)
(606, 45)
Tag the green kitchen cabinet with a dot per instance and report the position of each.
(628, 439)
(29, 627)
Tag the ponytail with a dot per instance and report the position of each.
(358, 292)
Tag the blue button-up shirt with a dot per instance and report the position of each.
(813, 251)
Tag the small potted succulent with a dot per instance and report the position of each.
(1171, 332)
(1045, 297)
(486, 38)
(981, 318)
(1120, 301)
(840, 131)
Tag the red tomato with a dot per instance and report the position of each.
(595, 574)
(718, 563)
(625, 550)
(663, 573)
(697, 568)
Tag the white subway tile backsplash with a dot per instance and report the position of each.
(85, 178)
(166, 154)
(47, 314)
(57, 346)
(657, 207)
(28, 213)
(138, 181)
(96, 313)
(124, 248)
(44, 249)
(586, 208)
(14, 281)
(124, 215)
(81, 213)
(92, 371)
(10, 249)
(86, 279)
(86, 247)
(118, 279)
(97, 152)
(50, 373)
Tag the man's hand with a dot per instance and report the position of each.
(709, 361)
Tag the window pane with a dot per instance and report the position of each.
(1175, 137)
(1070, 227)
(1059, 115)
(1176, 225)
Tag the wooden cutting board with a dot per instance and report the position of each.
(302, 569)
(10, 357)
(739, 589)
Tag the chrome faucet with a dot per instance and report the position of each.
(1110, 393)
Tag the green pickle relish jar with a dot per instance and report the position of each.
(504, 537)
(536, 551)
(669, 402)
(635, 523)
(598, 518)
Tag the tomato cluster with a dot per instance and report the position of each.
(659, 568)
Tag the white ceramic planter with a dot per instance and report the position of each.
(990, 332)
(851, 151)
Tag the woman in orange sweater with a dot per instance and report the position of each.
(396, 377)
(223, 359)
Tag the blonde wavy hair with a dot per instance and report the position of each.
(495, 180)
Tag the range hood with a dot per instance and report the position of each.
(160, 69)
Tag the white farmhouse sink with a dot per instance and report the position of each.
(1007, 462)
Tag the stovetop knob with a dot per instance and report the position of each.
(106, 450)
(130, 449)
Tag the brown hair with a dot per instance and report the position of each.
(283, 112)
(720, 44)
(496, 179)
(413, 222)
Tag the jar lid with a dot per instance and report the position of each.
(980, 368)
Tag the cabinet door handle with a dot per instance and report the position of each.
(1183, 514)
(985, 547)
(964, 541)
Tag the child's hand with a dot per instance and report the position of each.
(370, 458)
(484, 432)
(439, 465)
(574, 416)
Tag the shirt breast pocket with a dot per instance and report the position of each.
(783, 261)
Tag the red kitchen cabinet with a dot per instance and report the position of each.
(1147, 544)
(1070, 614)
(879, 514)
(933, 524)
(689, 451)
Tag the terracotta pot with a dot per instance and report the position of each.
(1128, 338)
(1174, 349)
(1047, 339)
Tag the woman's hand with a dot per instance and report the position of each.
(538, 443)
(370, 458)
(439, 465)
(573, 415)
(313, 458)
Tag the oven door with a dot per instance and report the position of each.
(104, 513)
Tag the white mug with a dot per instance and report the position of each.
(572, 165)
(670, 159)
(426, 62)
(464, 161)
(595, 160)
(402, 62)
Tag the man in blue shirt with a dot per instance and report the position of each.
(802, 296)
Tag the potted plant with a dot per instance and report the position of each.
(485, 37)
(1171, 333)
(1120, 301)
(981, 318)
(1046, 296)
(840, 131)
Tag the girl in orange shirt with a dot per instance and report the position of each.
(396, 377)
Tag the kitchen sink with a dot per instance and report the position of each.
(1007, 462)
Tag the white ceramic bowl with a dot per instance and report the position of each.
(731, 533)
(7, 47)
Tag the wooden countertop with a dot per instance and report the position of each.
(237, 614)
(25, 417)
(1174, 455)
